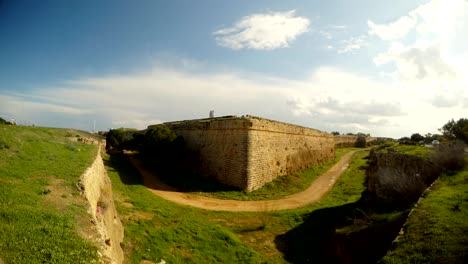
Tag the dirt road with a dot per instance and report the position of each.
(316, 190)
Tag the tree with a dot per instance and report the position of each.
(361, 142)
(360, 134)
(416, 137)
(456, 130)
(159, 135)
(4, 122)
(115, 138)
(335, 133)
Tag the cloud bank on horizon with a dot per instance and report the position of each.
(421, 81)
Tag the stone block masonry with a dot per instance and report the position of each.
(248, 152)
(348, 141)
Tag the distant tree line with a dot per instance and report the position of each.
(451, 131)
(456, 130)
(158, 142)
(4, 122)
(359, 134)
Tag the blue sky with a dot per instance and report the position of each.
(384, 68)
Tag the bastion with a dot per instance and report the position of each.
(248, 152)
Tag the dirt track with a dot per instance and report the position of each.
(316, 190)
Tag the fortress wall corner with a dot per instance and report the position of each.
(221, 146)
(248, 152)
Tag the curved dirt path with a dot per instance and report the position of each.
(315, 192)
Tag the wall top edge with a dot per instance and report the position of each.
(247, 122)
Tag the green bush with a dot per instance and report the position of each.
(115, 139)
(361, 142)
(4, 145)
(162, 143)
(159, 137)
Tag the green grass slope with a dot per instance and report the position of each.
(437, 230)
(39, 201)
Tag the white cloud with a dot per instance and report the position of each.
(439, 17)
(352, 44)
(338, 27)
(427, 62)
(417, 62)
(325, 34)
(263, 31)
(392, 31)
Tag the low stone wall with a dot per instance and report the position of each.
(248, 151)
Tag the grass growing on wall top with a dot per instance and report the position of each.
(36, 226)
(416, 150)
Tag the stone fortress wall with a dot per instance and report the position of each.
(248, 152)
(278, 149)
(346, 141)
(222, 145)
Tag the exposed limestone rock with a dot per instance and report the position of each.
(398, 179)
(96, 187)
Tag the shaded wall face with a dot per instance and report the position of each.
(222, 150)
(277, 149)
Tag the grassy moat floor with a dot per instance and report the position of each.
(277, 189)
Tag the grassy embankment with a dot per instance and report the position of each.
(437, 230)
(278, 188)
(39, 202)
(407, 149)
(156, 229)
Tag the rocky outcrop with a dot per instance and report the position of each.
(96, 187)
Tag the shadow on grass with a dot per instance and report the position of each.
(343, 234)
(163, 178)
(128, 174)
(181, 178)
